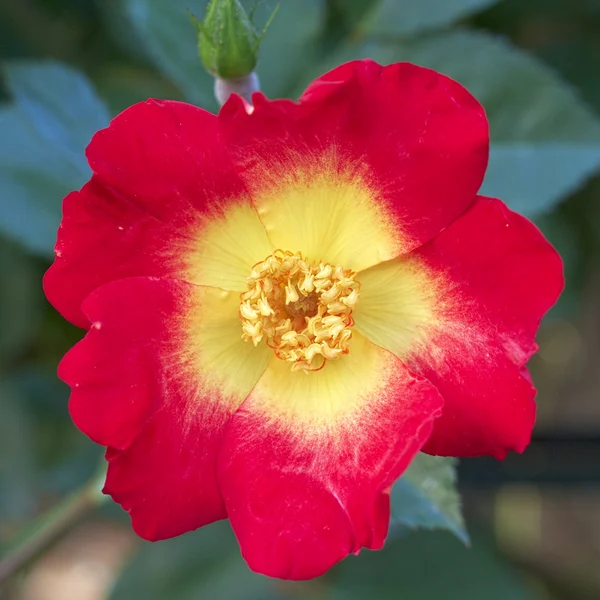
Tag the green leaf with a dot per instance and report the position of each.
(407, 17)
(426, 496)
(202, 564)
(42, 147)
(545, 140)
(428, 566)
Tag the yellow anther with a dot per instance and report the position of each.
(325, 272)
(338, 273)
(322, 284)
(331, 320)
(337, 307)
(253, 331)
(267, 285)
(291, 295)
(351, 299)
(330, 353)
(331, 294)
(302, 310)
(303, 340)
(290, 338)
(311, 352)
(283, 327)
(264, 308)
(247, 312)
(335, 330)
(307, 284)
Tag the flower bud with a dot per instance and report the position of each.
(227, 40)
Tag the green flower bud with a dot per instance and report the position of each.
(227, 39)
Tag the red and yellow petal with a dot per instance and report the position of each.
(371, 163)
(307, 461)
(156, 379)
(164, 201)
(462, 311)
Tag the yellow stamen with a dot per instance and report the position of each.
(303, 311)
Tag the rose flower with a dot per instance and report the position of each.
(285, 302)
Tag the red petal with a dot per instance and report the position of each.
(165, 157)
(308, 460)
(416, 139)
(506, 276)
(161, 181)
(152, 381)
(489, 406)
(102, 237)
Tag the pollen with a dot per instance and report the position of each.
(302, 310)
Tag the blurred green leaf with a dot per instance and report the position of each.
(165, 30)
(534, 177)
(350, 12)
(426, 496)
(555, 136)
(17, 461)
(22, 146)
(166, 33)
(428, 566)
(42, 148)
(121, 86)
(34, 177)
(565, 34)
(64, 456)
(524, 99)
(30, 207)
(407, 17)
(21, 301)
(290, 45)
(59, 101)
(561, 233)
(45, 394)
(202, 564)
(116, 19)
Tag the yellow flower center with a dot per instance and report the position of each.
(303, 311)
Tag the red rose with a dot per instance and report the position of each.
(286, 303)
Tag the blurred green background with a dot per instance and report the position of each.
(68, 66)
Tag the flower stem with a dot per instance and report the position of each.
(52, 525)
(244, 86)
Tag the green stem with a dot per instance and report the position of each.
(52, 525)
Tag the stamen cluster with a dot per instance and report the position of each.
(303, 311)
